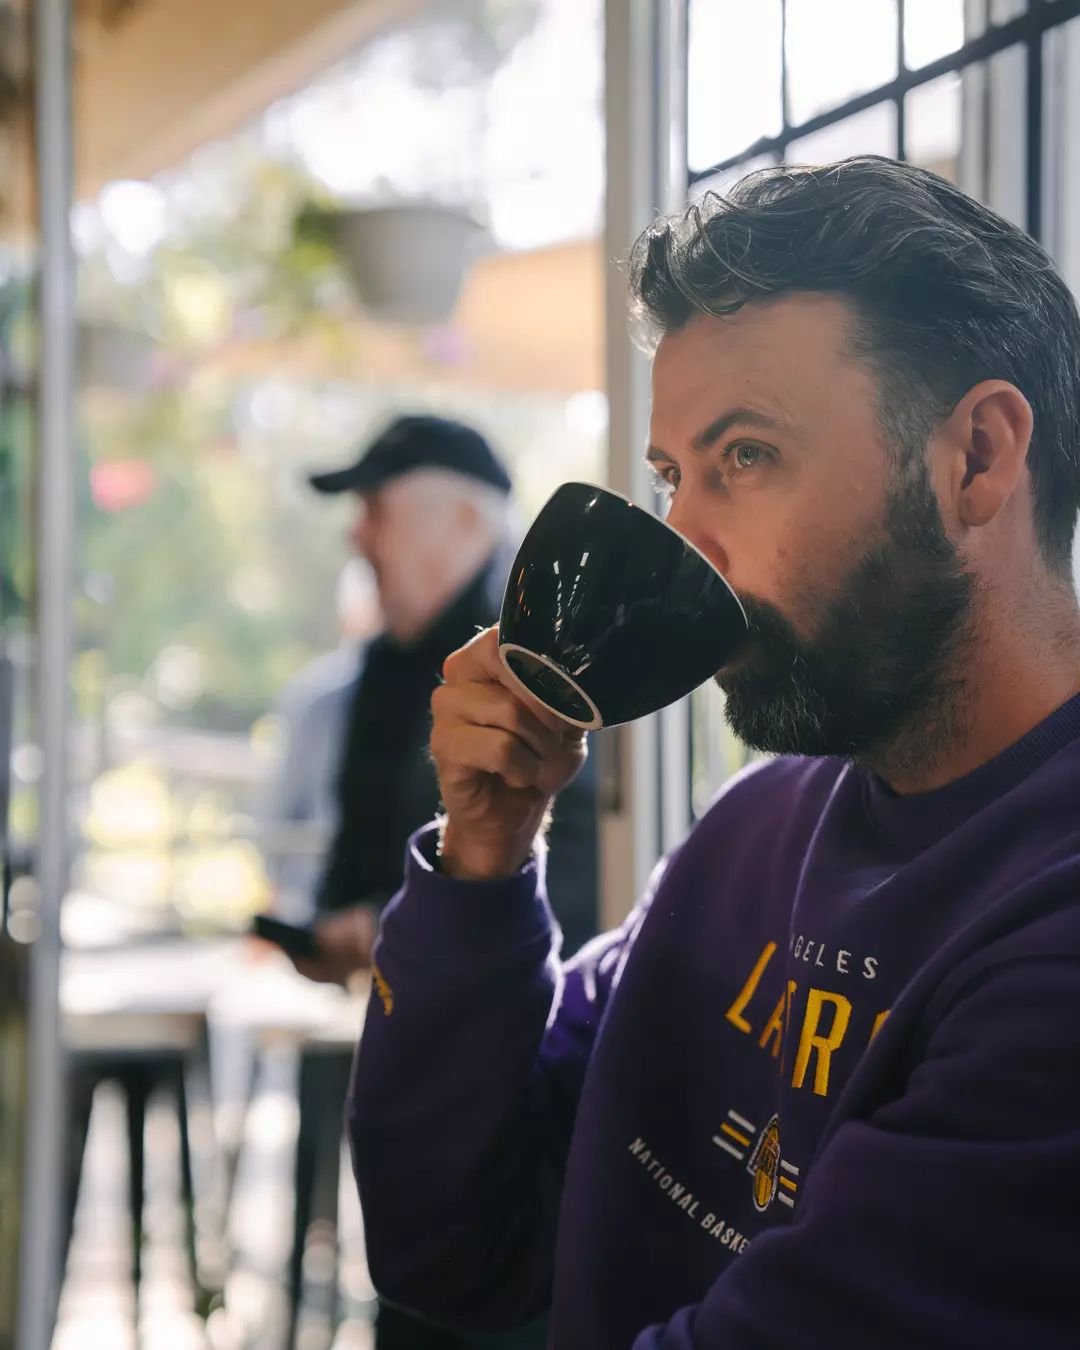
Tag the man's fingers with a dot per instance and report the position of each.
(461, 749)
(479, 662)
(492, 705)
(477, 749)
(484, 723)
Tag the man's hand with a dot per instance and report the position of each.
(345, 940)
(501, 758)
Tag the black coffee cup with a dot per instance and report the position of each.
(609, 614)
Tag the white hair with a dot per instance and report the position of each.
(449, 545)
(493, 507)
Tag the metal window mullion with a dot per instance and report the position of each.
(1034, 158)
(629, 763)
(901, 97)
(675, 806)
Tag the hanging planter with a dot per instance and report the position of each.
(406, 261)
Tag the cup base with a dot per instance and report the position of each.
(544, 681)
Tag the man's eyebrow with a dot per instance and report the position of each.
(743, 417)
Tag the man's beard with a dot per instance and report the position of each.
(877, 670)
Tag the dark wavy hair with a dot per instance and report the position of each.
(945, 293)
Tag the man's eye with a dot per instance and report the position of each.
(665, 482)
(744, 456)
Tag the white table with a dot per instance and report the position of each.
(146, 995)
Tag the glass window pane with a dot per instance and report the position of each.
(934, 28)
(932, 116)
(1076, 561)
(824, 72)
(1061, 165)
(733, 77)
(723, 182)
(985, 12)
(872, 132)
(716, 752)
(1061, 151)
(992, 163)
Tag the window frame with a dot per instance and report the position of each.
(1027, 31)
(1041, 98)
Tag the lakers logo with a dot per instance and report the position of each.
(386, 995)
(764, 1165)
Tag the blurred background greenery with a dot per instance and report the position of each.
(223, 353)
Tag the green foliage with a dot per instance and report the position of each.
(223, 555)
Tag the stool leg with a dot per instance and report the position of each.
(187, 1186)
(307, 1156)
(81, 1086)
(337, 1069)
(136, 1088)
(325, 1081)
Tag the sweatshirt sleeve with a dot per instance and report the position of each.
(465, 1090)
(949, 1219)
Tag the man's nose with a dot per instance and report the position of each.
(686, 520)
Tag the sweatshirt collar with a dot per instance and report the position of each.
(918, 819)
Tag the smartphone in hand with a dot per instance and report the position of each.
(294, 939)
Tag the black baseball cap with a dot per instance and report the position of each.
(418, 442)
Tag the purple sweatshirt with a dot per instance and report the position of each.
(822, 1089)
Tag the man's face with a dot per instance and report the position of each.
(767, 430)
(418, 533)
(390, 530)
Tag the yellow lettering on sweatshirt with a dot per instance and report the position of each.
(735, 1013)
(812, 1044)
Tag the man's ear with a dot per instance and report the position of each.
(986, 440)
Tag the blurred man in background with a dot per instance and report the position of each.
(299, 812)
(434, 521)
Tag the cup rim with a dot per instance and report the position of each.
(621, 496)
(508, 648)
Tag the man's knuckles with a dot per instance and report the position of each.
(477, 660)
